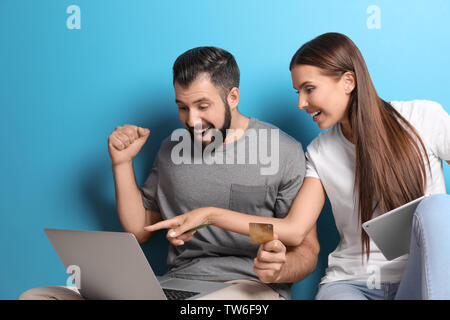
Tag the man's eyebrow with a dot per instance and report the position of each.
(203, 99)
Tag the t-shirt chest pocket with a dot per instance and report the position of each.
(247, 199)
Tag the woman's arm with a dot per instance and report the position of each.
(291, 230)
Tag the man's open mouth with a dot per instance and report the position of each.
(202, 132)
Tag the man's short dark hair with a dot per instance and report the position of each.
(218, 63)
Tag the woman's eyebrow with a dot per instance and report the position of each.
(303, 84)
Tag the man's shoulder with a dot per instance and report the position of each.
(285, 140)
(174, 138)
(168, 143)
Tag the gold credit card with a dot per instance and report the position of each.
(260, 232)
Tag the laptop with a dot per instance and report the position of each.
(112, 266)
(391, 231)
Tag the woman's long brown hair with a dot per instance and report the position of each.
(389, 165)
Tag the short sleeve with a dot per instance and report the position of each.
(311, 170)
(149, 189)
(439, 131)
(291, 181)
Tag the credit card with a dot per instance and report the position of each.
(260, 232)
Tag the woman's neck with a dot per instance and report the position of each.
(347, 130)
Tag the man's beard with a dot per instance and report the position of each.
(222, 131)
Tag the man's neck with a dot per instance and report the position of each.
(239, 124)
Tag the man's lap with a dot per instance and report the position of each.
(243, 289)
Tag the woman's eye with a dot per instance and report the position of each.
(182, 108)
(309, 89)
(203, 107)
(296, 91)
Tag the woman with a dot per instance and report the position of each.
(375, 156)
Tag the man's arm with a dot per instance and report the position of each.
(123, 145)
(301, 261)
(132, 214)
(277, 263)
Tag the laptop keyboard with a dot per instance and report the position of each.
(178, 294)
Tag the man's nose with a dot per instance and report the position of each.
(194, 119)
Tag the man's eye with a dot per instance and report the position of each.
(296, 91)
(182, 108)
(203, 107)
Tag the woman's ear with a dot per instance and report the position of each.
(349, 82)
(233, 98)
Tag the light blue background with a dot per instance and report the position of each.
(62, 93)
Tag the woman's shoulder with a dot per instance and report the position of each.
(418, 110)
(416, 103)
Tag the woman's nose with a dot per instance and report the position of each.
(302, 102)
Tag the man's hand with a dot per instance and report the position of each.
(126, 142)
(270, 261)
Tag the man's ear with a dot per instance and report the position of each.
(349, 82)
(233, 98)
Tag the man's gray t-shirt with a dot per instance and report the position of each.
(174, 188)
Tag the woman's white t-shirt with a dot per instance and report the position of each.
(331, 158)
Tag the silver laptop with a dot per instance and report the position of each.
(391, 231)
(112, 266)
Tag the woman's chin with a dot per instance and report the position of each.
(323, 125)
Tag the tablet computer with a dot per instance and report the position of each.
(391, 231)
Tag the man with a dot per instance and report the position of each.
(206, 81)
